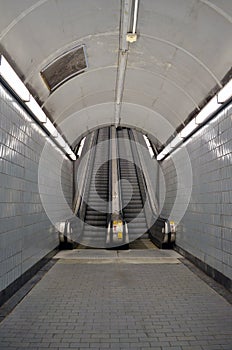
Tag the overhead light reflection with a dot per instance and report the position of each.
(36, 110)
(188, 129)
(202, 117)
(12, 80)
(225, 93)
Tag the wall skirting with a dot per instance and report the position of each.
(6, 293)
(210, 271)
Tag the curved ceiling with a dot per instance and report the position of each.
(182, 53)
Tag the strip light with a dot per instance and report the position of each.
(72, 155)
(176, 141)
(224, 95)
(188, 129)
(207, 111)
(12, 79)
(59, 139)
(81, 147)
(68, 150)
(148, 146)
(51, 128)
(15, 83)
(135, 16)
(36, 110)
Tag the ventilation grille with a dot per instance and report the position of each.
(65, 67)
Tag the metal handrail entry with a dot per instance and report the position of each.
(165, 238)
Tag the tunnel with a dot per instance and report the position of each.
(116, 133)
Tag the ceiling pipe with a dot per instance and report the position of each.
(125, 21)
(123, 55)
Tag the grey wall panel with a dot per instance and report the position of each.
(67, 181)
(170, 178)
(26, 233)
(205, 229)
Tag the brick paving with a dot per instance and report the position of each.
(89, 304)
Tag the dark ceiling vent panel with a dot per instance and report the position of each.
(64, 67)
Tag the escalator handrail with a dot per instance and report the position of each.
(84, 190)
(120, 195)
(79, 189)
(109, 214)
(149, 190)
(119, 178)
(135, 154)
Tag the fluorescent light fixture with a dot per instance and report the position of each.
(36, 110)
(225, 93)
(160, 156)
(51, 128)
(167, 149)
(188, 129)
(151, 152)
(207, 111)
(72, 156)
(176, 141)
(135, 16)
(146, 140)
(67, 149)
(59, 139)
(15, 83)
(12, 79)
(148, 146)
(164, 152)
(81, 147)
(212, 106)
(70, 153)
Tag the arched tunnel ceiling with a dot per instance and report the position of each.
(183, 51)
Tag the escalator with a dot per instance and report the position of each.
(96, 207)
(115, 207)
(132, 191)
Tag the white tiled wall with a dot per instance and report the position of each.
(26, 233)
(205, 231)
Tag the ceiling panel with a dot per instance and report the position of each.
(81, 122)
(183, 51)
(54, 25)
(101, 51)
(79, 87)
(13, 11)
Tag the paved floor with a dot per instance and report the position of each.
(119, 300)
